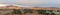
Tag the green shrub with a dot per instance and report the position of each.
(16, 11)
(27, 11)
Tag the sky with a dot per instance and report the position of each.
(38, 3)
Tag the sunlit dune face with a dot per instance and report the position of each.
(4, 4)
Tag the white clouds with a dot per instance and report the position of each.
(29, 1)
(25, 1)
(33, 2)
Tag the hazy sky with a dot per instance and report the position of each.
(40, 3)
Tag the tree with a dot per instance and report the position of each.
(41, 11)
(27, 11)
(16, 11)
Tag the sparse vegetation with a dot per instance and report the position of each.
(27, 11)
